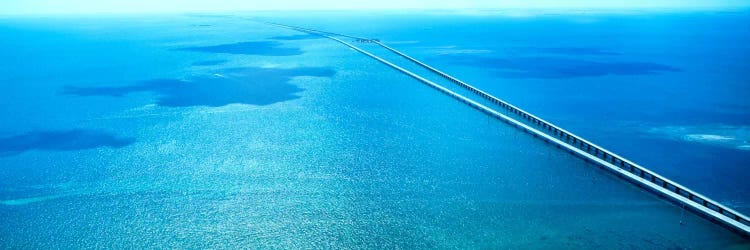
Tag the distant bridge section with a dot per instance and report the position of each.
(538, 127)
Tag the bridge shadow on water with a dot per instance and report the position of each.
(250, 85)
(60, 140)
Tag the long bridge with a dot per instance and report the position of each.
(561, 138)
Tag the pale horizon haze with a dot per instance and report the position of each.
(45, 7)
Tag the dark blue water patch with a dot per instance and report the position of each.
(557, 67)
(60, 140)
(264, 48)
(572, 51)
(251, 85)
(210, 62)
(297, 37)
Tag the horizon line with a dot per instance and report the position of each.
(462, 11)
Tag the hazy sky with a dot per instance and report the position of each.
(20, 7)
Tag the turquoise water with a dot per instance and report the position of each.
(667, 90)
(216, 131)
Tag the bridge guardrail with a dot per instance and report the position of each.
(594, 149)
(623, 167)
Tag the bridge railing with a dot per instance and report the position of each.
(587, 150)
(592, 148)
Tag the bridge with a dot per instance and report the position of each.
(561, 138)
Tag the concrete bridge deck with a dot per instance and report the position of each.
(562, 138)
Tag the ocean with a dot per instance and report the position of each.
(220, 131)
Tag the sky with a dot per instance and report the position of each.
(41, 7)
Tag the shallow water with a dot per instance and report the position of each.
(666, 90)
(323, 149)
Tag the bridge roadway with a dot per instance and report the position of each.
(562, 138)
